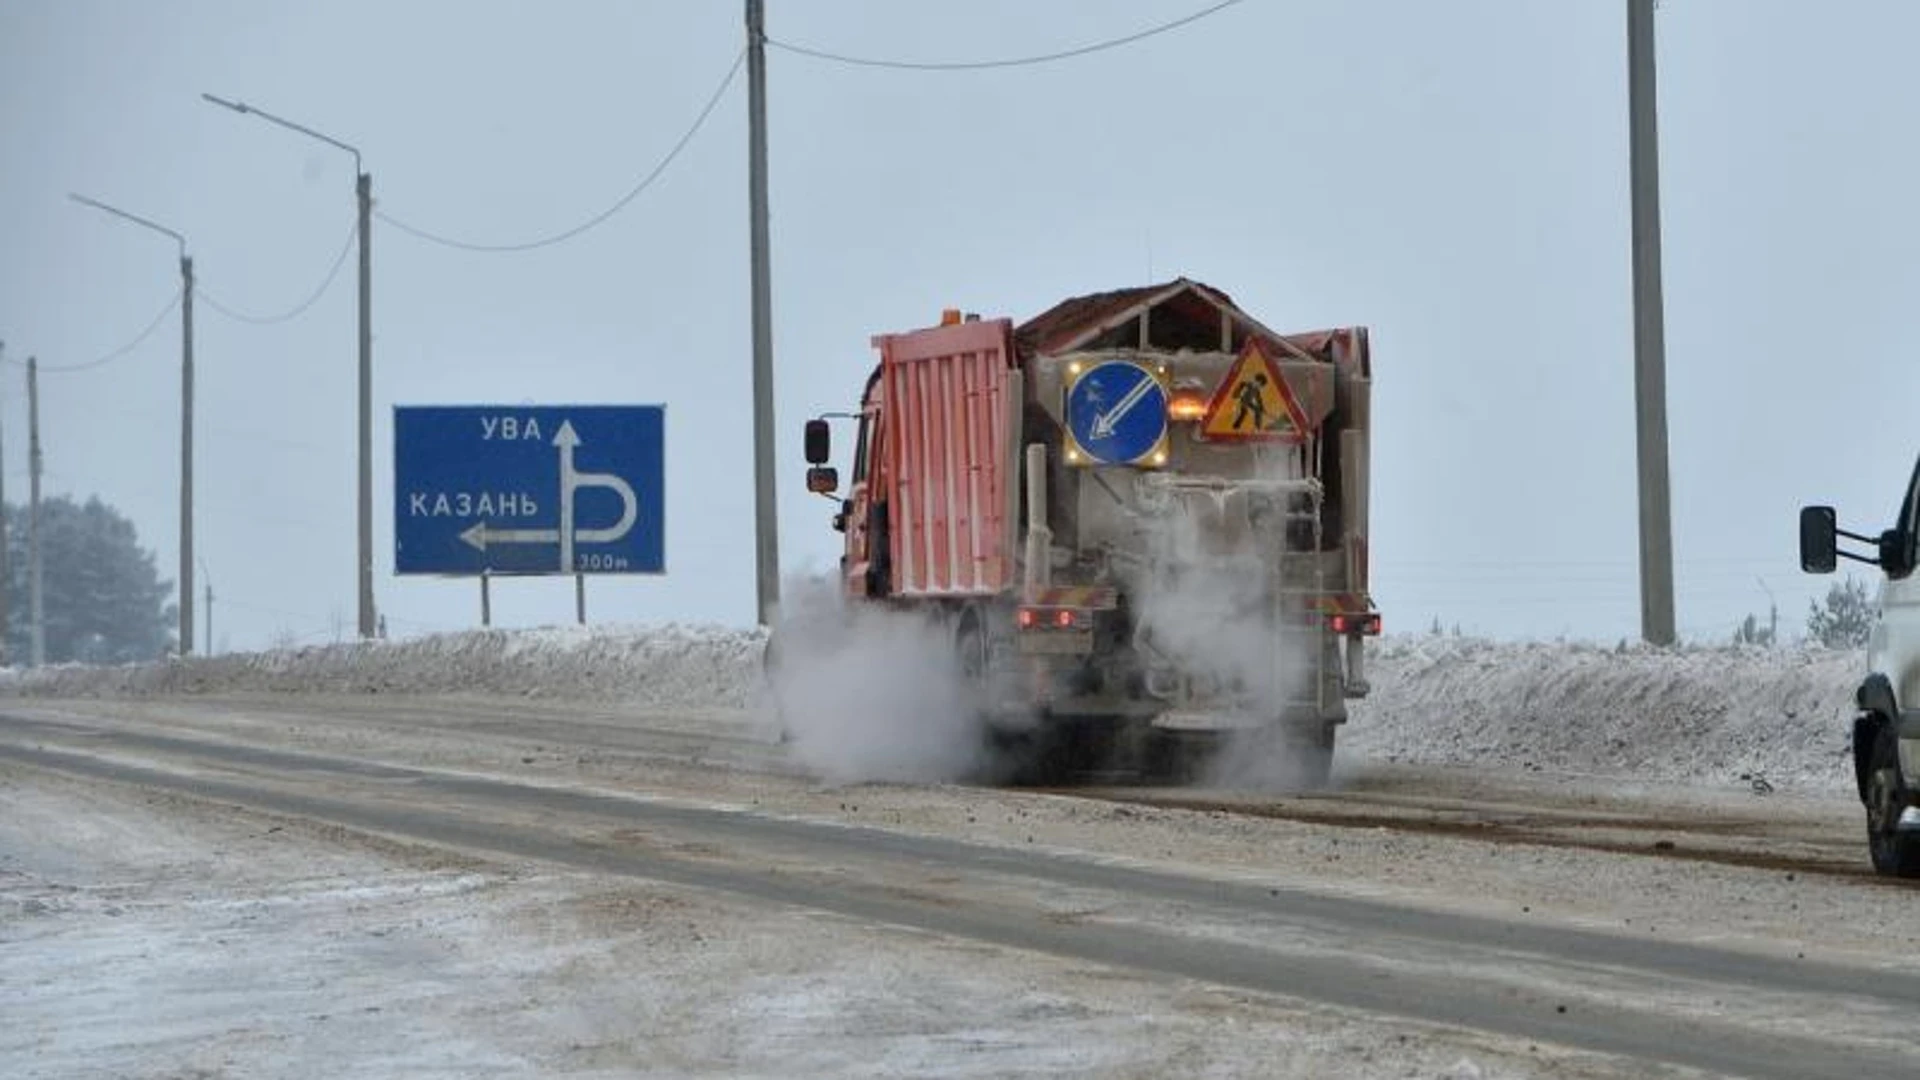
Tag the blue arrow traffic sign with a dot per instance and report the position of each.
(1117, 412)
(529, 489)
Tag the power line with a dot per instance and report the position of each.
(119, 352)
(632, 193)
(1023, 61)
(297, 310)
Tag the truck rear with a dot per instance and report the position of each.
(1139, 519)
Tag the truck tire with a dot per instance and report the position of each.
(1179, 758)
(1313, 757)
(1894, 853)
(1285, 757)
(1005, 754)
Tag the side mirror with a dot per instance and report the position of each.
(1819, 546)
(823, 480)
(819, 442)
(1896, 553)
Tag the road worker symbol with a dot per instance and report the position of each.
(1253, 407)
(1254, 403)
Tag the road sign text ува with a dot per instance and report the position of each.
(529, 489)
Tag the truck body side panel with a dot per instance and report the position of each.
(950, 400)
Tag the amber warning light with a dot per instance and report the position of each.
(1186, 406)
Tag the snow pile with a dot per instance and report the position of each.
(1719, 714)
(661, 667)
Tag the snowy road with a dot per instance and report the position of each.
(1536, 924)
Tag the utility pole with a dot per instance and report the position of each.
(363, 189)
(767, 526)
(1649, 333)
(186, 454)
(208, 578)
(34, 600)
(5, 578)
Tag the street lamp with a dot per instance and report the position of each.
(186, 413)
(363, 189)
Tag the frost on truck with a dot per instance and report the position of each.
(1139, 519)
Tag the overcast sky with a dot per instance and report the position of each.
(1453, 175)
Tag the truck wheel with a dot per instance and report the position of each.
(1894, 853)
(1179, 758)
(1313, 757)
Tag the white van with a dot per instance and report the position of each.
(1886, 734)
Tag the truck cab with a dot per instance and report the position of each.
(1886, 732)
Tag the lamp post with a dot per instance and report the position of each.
(186, 413)
(363, 191)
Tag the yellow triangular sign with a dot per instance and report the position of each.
(1254, 403)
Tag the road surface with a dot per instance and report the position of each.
(1413, 922)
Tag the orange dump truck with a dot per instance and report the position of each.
(1139, 518)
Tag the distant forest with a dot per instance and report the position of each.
(104, 600)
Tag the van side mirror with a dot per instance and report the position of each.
(1819, 543)
(819, 442)
(1896, 553)
(823, 480)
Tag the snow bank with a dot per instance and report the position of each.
(1696, 713)
(1716, 714)
(664, 667)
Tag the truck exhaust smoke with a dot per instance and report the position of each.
(863, 693)
(1206, 609)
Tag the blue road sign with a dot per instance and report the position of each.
(1117, 412)
(529, 489)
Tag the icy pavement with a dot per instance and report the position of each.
(150, 936)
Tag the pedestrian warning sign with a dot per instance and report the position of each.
(1254, 403)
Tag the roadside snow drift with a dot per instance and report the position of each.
(1721, 715)
(655, 667)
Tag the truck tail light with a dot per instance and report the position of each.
(1027, 618)
(1367, 623)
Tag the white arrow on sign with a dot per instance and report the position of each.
(571, 480)
(1104, 424)
(480, 536)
